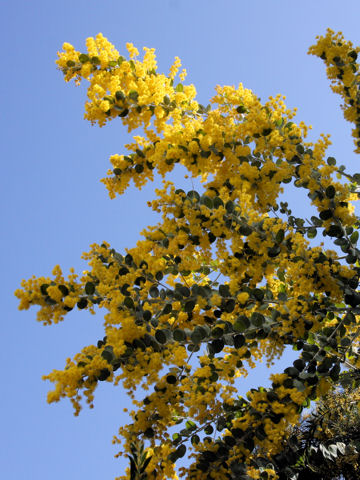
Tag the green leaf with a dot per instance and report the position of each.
(195, 439)
(345, 342)
(346, 382)
(190, 425)
(179, 87)
(159, 276)
(217, 332)
(356, 178)
(63, 289)
(281, 275)
(330, 191)
(154, 291)
(124, 112)
(189, 306)
(353, 55)
(104, 374)
(334, 372)
(207, 201)
(89, 288)
(198, 334)
(140, 153)
(351, 258)
(217, 345)
(258, 294)
(133, 95)
(83, 58)
(260, 433)
(171, 379)
(229, 206)
(43, 288)
(326, 214)
(167, 309)
(266, 131)
(161, 336)
(300, 149)
(292, 372)
(108, 354)
(354, 237)
(193, 195)
(257, 319)
(185, 291)
(129, 303)
(312, 232)
(316, 221)
(179, 335)
(82, 303)
(325, 365)
(299, 364)
(143, 467)
(128, 259)
(193, 347)
(274, 251)
(282, 296)
(280, 236)
(172, 457)
(205, 154)
(229, 305)
(119, 95)
(241, 109)
(224, 290)
(196, 337)
(239, 341)
(209, 429)
(149, 433)
(180, 451)
(241, 324)
(335, 231)
(245, 229)
(176, 437)
(299, 385)
(218, 202)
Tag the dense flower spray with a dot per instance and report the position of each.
(227, 277)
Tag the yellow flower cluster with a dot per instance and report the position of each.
(227, 272)
(342, 70)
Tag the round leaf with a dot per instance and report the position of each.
(179, 335)
(160, 336)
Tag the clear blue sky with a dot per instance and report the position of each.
(53, 205)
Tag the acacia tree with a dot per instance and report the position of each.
(228, 276)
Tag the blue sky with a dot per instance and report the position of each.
(54, 207)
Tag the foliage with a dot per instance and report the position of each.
(227, 277)
(326, 444)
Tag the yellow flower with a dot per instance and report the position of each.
(242, 297)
